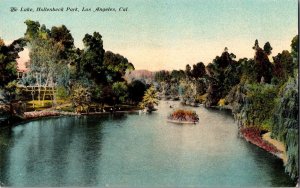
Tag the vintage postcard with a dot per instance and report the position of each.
(140, 93)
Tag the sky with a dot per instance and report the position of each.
(164, 34)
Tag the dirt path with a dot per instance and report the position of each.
(279, 145)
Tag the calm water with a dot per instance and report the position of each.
(135, 150)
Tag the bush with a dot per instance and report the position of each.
(61, 93)
(184, 115)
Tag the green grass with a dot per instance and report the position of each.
(41, 105)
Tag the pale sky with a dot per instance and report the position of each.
(165, 34)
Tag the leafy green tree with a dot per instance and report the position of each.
(248, 70)
(61, 93)
(283, 65)
(8, 66)
(222, 76)
(32, 30)
(295, 48)
(198, 70)
(91, 62)
(263, 66)
(150, 99)
(63, 37)
(136, 90)
(107, 95)
(188, 70)
(201, 86)
(256, 45)
(81, 97)
(177, 75)
(285, 125)
(116, 66)
(268, 48)
(48, 66)
(120, 90)
(162, 76)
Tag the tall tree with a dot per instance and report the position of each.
(221, 78)
(256, 45)
(283, 65)
(116, 66)
(295, 47)
(150, 99)
(91, 63)
(47, 67)
(198, 70)
(136, 90)
(120, 90)
(188, 71)
(8, 64)
(268, 48)
(32, 30)
(263, 65)
(63, 36)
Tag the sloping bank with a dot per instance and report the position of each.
(46, 113)
(264, 141)
(260, 138)
(28, 116)
(260, 108)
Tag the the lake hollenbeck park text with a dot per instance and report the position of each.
(70, 9)
(261, 91)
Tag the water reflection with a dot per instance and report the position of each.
(5, 143)
(135, 150)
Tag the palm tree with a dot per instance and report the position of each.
(150, 99)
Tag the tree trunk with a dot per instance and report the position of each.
(53, 95)
(45, 88)
(39, 80)
(32, 94)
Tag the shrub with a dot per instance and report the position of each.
(61, 93)
(184, 115)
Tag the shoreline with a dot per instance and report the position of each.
(265, 142)
(35, 115)
(279, 145)
(265, 137)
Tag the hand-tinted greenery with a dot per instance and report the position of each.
(91, 62)
(81, 97)
(150, 99)
(8, 56)
(285, 125)
(136, 90)
(256, 103)
(260, 93)
(120, 91)
(55, 62)
(274, 106)
(224, 73)
(8, 66)
(116, 66)
(184, 115)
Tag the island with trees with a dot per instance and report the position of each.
(183, 117)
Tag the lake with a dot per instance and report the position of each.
(135, 150)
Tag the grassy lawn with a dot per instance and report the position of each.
(66, 105)
(41, 105)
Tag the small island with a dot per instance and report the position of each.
(183, 117)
